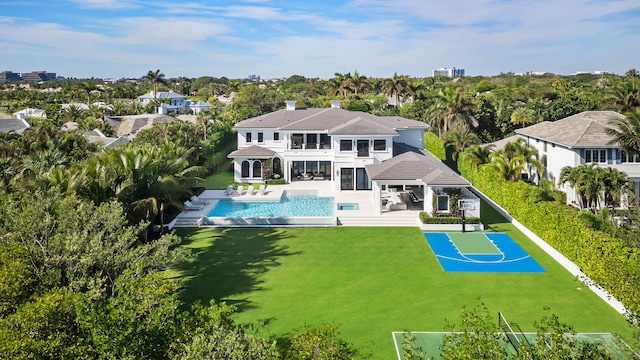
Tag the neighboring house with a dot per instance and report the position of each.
(576, 140)
(96, 136)
(29, 112)
(355, 151)
(129, 126)
(15, 125)
(198, 106)
(171, 101)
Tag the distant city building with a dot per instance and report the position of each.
(254, 77)
(9, 76)
(452, 73)
(36, 76)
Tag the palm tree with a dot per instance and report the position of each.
(451, 105)
(523, 116)
(459, 141)
(626, 132)
(588, 181)
(72, 113)
(155, 77)
(526, 153)
(397, 86)
(89, 87)
(359, 83)
(508, 168)
(479, 154)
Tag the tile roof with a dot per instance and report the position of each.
(162, 95)
(252, 151)
(330, 120)
(362, 126)
(16, 125)
(586, 129)
(415, 164)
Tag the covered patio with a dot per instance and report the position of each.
(416, 180)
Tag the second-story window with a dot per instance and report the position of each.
(276, 136)
(595, 156)
(260, 137)
(379, 145)
(628, 158)
(346, 145)
(248, 137)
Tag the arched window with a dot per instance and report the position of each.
(245, 169)
(257, 169)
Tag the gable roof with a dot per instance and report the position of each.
(16, 125)
(586, 129)
(162, 95)
(333, 120)
(415, 164)
(252, 151)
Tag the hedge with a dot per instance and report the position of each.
(435, 145)
(605, 259)
(428, 219)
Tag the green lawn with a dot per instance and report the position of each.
(373, 281)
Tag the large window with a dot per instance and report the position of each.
(245, 169)
(296, 141)
(346, 145)
(363, 148)
(325, 141)
(627, 158)
(248, 137)
(595, 156)
(362, 180)
(442, 203)
(312, 141)
(257, 169)
(346, 179)
(379, 145)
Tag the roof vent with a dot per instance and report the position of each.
(291, 104)
(335, 103)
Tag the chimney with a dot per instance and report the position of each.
(336, 104)
(291, 104)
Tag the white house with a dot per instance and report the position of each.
(355, 151)
(576, 140)
(171, 101)
(198, 106)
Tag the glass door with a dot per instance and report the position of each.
(346, 179)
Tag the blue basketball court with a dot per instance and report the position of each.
(480, 252)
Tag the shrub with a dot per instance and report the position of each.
(427, 219)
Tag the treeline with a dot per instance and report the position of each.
(488, 107)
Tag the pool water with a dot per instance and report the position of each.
(348, 206)
(291, 204)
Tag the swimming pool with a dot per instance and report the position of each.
(348, 206)
(291, 204)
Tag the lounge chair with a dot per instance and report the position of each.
(189, 206)
(196, 200)
(229, 190)
(240, 189)
(250, 190)
(262, 188)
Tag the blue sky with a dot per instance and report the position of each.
(280, 38)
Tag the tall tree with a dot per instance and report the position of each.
(626, 132)
(155, 77)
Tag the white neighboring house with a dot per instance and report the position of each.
(198, 106)
(29, 112)
(576, 140)
(172, 102)
(355, 151)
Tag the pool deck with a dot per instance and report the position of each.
(364, 216)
